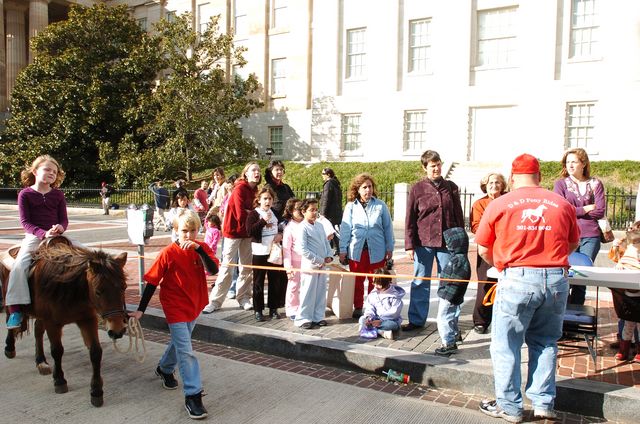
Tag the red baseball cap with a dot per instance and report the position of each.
(525, 164)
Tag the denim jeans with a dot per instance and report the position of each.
(180, 353)
(385, 325)
(590, 246)
(529, 307)
(447, 319)
(421, 289)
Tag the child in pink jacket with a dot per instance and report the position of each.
(292, 255)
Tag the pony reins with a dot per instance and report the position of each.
(134, 330)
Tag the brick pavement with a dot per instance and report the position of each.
(574, 359)
(368, 381)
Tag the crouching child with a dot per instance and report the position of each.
(383, 307)
(180, 270)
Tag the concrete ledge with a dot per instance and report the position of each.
(584, 397)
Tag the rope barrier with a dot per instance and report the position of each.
(346, 271)
(134, 330)
(487, 300)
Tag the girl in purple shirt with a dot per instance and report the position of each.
(43, 213)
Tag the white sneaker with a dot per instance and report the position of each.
(246, 305)
(387, 334)
(210, 308)
(544, 413)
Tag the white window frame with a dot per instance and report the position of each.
(276, 140)
(279, 77)
(240, 19)
(419, 49)
(497, 38)
(171, 15)
(415, 130)
(203, 21)
(585, 30)
(350, 133)
(279, 13)
(580, 125)
(142, 23)
(356, 56)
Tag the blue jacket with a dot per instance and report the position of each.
(372, 225)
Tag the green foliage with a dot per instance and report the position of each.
(82, 94)
(196, 108)
(306, 177)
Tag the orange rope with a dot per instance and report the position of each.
(357, 274)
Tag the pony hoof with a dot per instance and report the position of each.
(97, 401)
(63, 388)
(44, 368)
(10, 353)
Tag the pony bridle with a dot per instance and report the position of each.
(108, 314)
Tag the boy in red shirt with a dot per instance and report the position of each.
(180, 269)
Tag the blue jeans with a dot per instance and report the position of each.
(421, 289)
(529, 307)
(385, 325)
(590, 246)
(447, 319)
(180, 353)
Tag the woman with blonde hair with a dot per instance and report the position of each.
(366, 234)
(493, 185)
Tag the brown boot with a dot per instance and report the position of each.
(623, 352)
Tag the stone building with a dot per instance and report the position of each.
(370, 80)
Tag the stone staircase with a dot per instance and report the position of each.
(467, 175)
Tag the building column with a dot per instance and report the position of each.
(38, 19)
(16, 41)
(3, 64)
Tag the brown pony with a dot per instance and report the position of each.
(71, 284)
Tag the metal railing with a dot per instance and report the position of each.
(621, 203)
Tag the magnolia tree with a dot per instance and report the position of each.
(107, 99)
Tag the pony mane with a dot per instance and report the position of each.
(63, 270)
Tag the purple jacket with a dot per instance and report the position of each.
(39, 212)
(431, 209)
(587, 222)
(385, 305)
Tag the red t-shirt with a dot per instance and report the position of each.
(529, 227)
(183, 287)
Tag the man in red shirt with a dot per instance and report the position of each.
(527, 234)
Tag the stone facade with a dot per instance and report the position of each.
(477, 80)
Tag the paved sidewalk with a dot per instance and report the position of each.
(580, 390)
(611, 392)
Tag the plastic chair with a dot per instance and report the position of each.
(582, 320)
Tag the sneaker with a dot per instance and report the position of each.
(195, 408)
(210, 308)
(446, 350)
(246, 305)
(14, 321)
(491, 408)
(544, 413)
(387, 334)
(169, 382)
(411, 327)
(231, 295)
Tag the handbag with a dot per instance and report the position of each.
(275, 254)
(368, 332)
(606, 234)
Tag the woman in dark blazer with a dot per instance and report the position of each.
(331, 200)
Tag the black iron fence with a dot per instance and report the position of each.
(621, 203)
